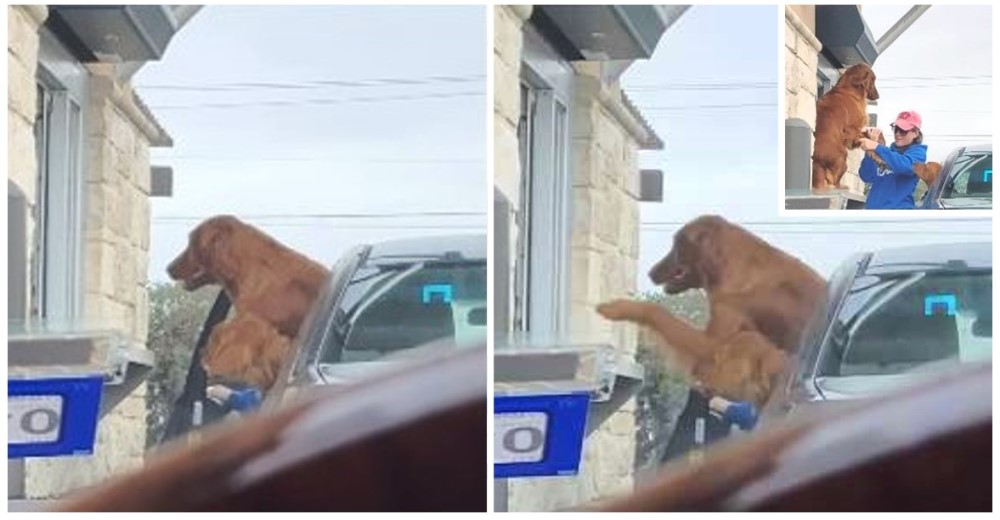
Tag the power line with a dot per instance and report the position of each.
(322, 216)
(705, 107)
(902, 87)
(699, 85)
(317, 159)
(356, 226)
(858, 232)
(893, 78)
(957, 135)
(362, 99)
(658, 88)
(949, 111)
(314, 84)
(828, 222)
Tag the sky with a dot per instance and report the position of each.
(725, 161)
(260, 131)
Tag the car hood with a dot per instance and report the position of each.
(347, 373)
(968, 203)
(858, 387)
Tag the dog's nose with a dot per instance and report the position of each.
(175, 266)
(655, 274)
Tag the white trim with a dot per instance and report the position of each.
(61, 223)
(547, 198)
(550, 218)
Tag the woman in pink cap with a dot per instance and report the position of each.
(893, 185)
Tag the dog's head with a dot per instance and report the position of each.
(692, 261)
(862, 78)
(207, 254)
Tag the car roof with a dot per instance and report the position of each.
(976, 148)
(955, 256)
(467, 247)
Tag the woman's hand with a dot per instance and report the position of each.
(868, 145)
(872, 133)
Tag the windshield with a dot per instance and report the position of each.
(971, 177)
(388, 307)
(900, 323)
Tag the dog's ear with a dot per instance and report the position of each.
(224, 253)
(703, 231)
(211, 243)
(702, 245)
(859, 77)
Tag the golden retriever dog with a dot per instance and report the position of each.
(261, 276)
(760, 301)
(246, 349)
(928, 172)
(841, 116)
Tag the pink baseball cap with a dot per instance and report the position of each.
(908, 120)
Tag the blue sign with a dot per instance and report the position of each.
(538, 435)
(52, 417)
(987, 174)
(933, 302)
(440, 292)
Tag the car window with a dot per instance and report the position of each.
(412, 306)
(902, 324)
(972, 177)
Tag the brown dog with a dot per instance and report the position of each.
(926, 172)
(760, 300)
(246, 349)
(841, 115)
(261, 276)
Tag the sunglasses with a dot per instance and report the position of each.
(898, 130)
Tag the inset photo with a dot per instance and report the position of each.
(888, 107)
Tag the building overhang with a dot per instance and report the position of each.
(604, 32)
(114, 33)
(845, 36)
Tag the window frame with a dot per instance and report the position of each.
(543, 259)
(974, 159)
(57, 260)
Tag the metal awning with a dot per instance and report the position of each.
(605, 32)
(114, 33)
(845, 36)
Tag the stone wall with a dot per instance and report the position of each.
(22, 97)
(117, 233)
(605, 251)
(801, 61)
(507, 43)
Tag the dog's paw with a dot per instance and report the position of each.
(615, 309)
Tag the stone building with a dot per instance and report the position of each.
(566, 142)
(79, 183)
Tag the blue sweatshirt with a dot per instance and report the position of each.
(892, 188)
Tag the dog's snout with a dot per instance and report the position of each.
(179, 268)
(658, 273)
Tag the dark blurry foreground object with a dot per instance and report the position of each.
(926, 449)
(411, 440)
